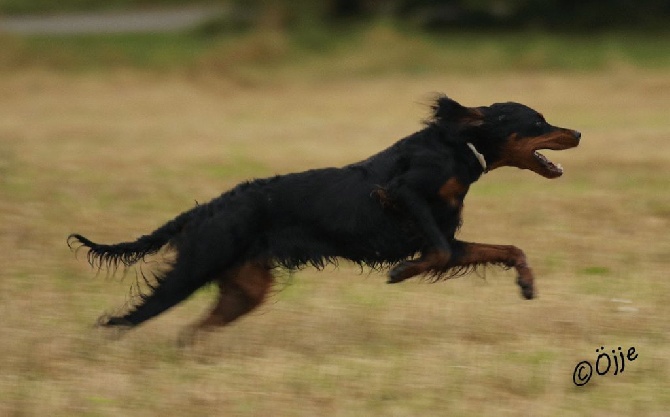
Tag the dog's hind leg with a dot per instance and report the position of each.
(202, 253)
(174, 287)
(241, 290)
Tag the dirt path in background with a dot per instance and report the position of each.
(111, 22)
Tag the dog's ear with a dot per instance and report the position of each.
(448, 110)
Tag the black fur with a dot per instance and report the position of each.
(393, 209)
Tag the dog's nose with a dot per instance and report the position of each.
(577, 134)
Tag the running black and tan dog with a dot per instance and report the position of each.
(398, 209)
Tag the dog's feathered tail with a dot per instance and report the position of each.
(129, 253)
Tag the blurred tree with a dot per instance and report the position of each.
(556, 14)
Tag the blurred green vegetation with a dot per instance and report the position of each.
(268, 38)
(376, 49)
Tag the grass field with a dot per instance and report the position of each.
(115, 155)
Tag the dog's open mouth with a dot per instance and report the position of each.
(554, 170)
(556, 141)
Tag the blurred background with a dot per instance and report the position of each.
(117, 115)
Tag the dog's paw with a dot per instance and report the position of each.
(114, 328)
(527, 288)
(397, 274)
(113, 321)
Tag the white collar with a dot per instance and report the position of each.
(480, 157)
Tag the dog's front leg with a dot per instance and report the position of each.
(439, 254)
(432, 261)
(468, 254)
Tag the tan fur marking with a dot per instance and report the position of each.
(481, 253)
(240, 291)
(452, 192)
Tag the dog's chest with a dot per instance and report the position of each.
(448, 211)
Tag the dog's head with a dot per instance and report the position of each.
(508, 134)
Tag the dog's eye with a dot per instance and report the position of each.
(539, 124)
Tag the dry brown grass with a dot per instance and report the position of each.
(115, 156)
